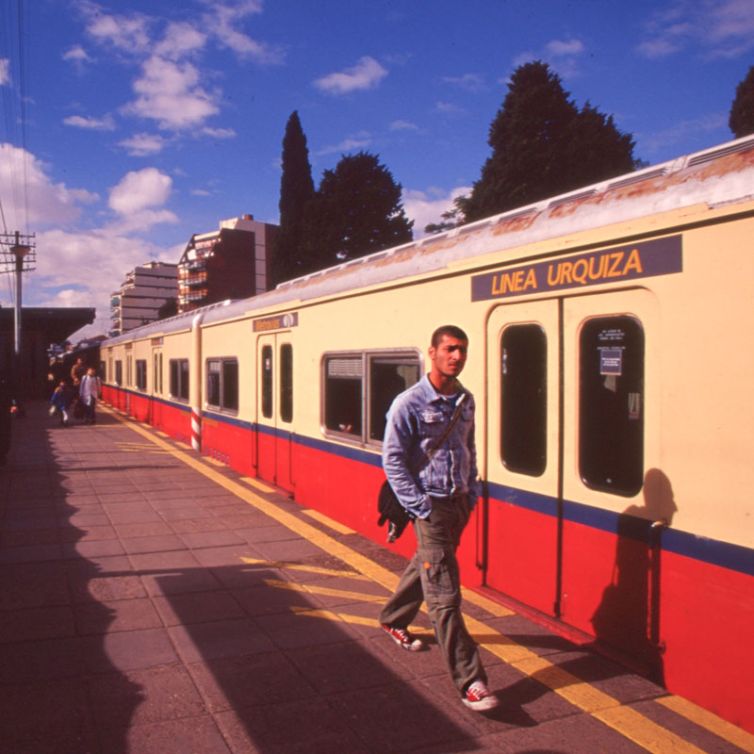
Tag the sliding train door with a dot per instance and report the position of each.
(523, 455)
(274, 422)
(572, 433)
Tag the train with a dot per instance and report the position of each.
(611, 362)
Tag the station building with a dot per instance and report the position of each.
(230, 262)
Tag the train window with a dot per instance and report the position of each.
(388, 376)
(343, 393)
(523, 425)
(222, 383)
(141, 374)
(267, 382)
(359, 389)
(118, 372)
(129, 371)
(611, 404)
(286, 382)
(179, 378)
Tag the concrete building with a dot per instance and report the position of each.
(145, 290)
(231, 262)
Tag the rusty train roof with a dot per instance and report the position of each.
(716, 176)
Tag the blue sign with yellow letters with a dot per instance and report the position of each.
(662, 256)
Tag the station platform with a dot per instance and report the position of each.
(153, 601)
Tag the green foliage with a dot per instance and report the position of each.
(543, 145)
(741, 120)
(356, 211)
(296, 191)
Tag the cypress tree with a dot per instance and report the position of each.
(741, 120)
(296, 191)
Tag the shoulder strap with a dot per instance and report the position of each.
(453, 419)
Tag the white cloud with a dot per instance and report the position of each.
(77, 54)
(564, 47)
(225, 21)
(403, 125)
(721, 29)
(425, 207)
(129, 34)
(26, 187)
(170, 93)
(4, 71)
(180, 39)
(449, 108)
(685, 131)
(91, 124)
(142, 145)
(470, 82)
(139, 190)
(366, 74)
(219, 133)
(360, 140)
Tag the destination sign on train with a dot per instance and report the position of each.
(278, 322)
(661, 256)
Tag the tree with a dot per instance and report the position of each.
(356, 211)
(543, 145)
(741, 120)
(296, 191)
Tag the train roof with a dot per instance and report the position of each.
(715, 176)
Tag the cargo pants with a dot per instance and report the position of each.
(433, 575)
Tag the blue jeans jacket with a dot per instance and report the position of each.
(418, 418)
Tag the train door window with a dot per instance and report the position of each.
(222, 383)
(141, 374)
(129, 371)
(118, 372)
(286, 382)
(110, 373)
(179, 378)
(611, 410)
(388, 376)
(343, 394)
(267, 382)
(157, 372)
(523, 425)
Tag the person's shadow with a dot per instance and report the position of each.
(628, 615)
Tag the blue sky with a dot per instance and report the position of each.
(128, 125)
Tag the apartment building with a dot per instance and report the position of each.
(145, 290)
(228, 263)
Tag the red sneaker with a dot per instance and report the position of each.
(403, 638)
(479, 698)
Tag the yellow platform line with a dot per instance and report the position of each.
(325, 591)
(257, 484)
(303, 567)
(214, 461)
(627, 722)
(709, 721)
(327, 521)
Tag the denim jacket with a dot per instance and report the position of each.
(417, 419)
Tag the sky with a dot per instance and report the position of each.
(129, 125)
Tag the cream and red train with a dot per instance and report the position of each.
(611, 359)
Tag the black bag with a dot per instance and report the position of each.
(392, 511)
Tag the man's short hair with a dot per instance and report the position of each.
(451, 331)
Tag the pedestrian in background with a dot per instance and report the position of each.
(90, 391)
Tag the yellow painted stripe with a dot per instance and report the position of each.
(709, 721)
(257, 484)
(303, 567)
(358, 620)
(214, 461)
(325, 591)
(633, 726)
(492, 607)
(327, 521)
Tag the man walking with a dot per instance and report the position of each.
(429, 457)
(89, 392)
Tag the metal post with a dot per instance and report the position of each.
(19, 252)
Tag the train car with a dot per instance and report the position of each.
(611, 363)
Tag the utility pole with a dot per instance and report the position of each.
(17, 255)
